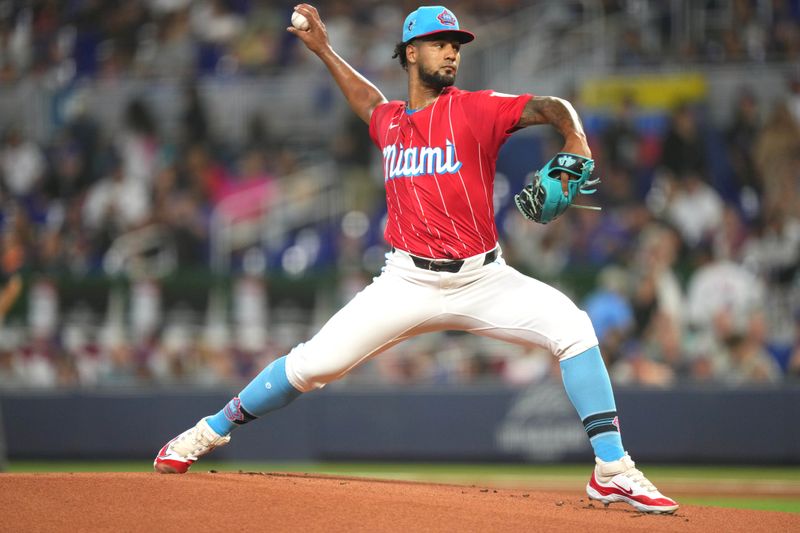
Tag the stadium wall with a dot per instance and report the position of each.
(688, 424)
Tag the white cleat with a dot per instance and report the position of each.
(176, 456)
(620, 481)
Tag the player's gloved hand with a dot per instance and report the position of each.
(543, 200)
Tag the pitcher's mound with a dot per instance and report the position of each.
(298, 502)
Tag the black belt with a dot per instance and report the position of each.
(447, 265)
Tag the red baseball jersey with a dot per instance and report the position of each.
(439, 164)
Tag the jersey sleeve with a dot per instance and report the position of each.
(492, 115)
(378, 122)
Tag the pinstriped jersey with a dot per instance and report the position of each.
(438, 167)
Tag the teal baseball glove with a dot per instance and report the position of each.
(543, 200)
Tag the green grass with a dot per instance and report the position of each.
(735, 502)
(761, 473)
(557, 477)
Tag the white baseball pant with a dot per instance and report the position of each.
(493, 300)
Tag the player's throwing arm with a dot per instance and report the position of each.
(360, 93)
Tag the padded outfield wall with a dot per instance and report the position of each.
(687, 424)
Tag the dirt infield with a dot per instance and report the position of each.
(309, 503)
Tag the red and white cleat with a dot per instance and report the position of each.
(181, 452)
(620, 481)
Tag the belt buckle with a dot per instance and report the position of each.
(437, 266)
(448, 265)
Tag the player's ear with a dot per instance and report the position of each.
(411, 52)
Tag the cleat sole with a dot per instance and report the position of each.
(612, 498)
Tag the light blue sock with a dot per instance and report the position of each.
(589, 389)
(269, 391)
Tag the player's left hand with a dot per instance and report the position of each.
(543, 200)
(578, 145)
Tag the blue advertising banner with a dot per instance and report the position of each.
(434, 424)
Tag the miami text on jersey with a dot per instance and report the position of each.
(417, 161)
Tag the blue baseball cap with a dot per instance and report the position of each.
(428, 20)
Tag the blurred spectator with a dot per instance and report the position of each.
(654, 284)
(740, 137)
(167, 47)
(794, 97)
(15, 46)
(119, 368)
(753, 31)
(37, 366)
(611, 313)
(631, 51)
(353, 150)
(249, 192)
(215, 21)
(654, 362)
(116, 203)
(542, 250)
(749, 361)
(17, 239)
(732, 236)
(194, 121)
(680, 192)
(694, 208)
(598, 239)
(783, 39)
(527, 368)
(76, 242)
(722, 296)
(182, 214)
(216, 25)
(777, 151)
(138, 144)
(72, 158)
(774, 254)
(22, 164)
(206, 176)
(10, 367)
(683, 150)
(619, 192)
(621, 139)
(10, 283)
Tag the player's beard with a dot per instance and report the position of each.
(434, 79)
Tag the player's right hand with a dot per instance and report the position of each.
(316, 36)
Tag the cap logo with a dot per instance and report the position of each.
(447, 18)
(430, 20)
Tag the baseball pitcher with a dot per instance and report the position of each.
(445, 270)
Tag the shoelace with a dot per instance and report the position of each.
(634, 474)
(197, 442)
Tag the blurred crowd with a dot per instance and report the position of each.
(689, 274)
(57, 41)
(707, 31)
(698, 249)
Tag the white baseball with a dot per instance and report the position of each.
(299, 21)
